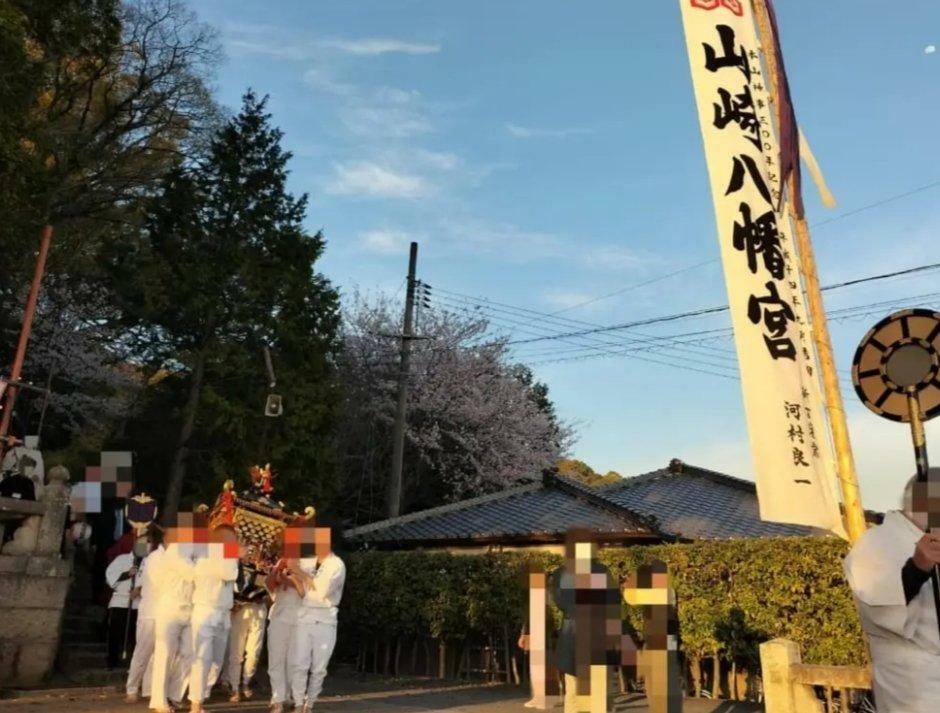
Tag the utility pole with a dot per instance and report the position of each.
(393, 506)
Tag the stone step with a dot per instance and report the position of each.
(84, 659)
(98, 676)
(61, 691)
(83, 645)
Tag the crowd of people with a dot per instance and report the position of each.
(200, 612)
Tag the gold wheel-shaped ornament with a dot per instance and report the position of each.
(900, 356)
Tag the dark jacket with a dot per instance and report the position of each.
(584, 639)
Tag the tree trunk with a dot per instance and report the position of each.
(695, 665)
(414, 657)
(387, 664)
(506, 654)
(462, 661)
(716, 676)
(181, 454)
(427, 658)
(733, 681)
(397, 665)
(375, 655)
(742, 685)
(442, 658)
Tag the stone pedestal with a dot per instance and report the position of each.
(33, 585)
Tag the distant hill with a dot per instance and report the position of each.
(579, 470)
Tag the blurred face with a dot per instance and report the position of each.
(299, 542)
(228, 540)
(923, 504)
(580, 555)
(322, 542)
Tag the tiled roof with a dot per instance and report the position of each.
(695, 503)
(677, 502)
(527, 511)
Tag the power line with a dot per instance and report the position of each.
(636, 286)
(714, 310)
(820, 224)
(553, 330)
(838, 316)
(851, 313)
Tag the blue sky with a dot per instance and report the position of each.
(547, 153)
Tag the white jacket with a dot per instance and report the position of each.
(904, 641)
(121, 588)
(173, 570)
(214, 577)
(149, 585)
(321, 601)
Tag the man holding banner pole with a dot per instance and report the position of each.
(889, 570)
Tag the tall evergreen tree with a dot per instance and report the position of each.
(226, 268)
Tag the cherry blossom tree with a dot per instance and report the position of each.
(473, 426)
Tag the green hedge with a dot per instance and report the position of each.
(732, 596)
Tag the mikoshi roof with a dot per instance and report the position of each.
(679, 502)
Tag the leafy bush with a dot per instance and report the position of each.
(732, 595)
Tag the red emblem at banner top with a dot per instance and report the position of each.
(736, 6)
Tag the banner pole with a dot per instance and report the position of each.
(853, 514)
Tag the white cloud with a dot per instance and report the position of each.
(373, 113)
(386, 242)
(566, 299)
(394, 95)
(370, 179)
(442, 161)
(268, 48)
(609, 258)
(391, 121)
(321, 80)
(509, 241)
(930, 49)
(281, 43)
(524, 132)
(373, 46)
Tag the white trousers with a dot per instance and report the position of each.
(244, 644)
(172, 658)
(210, 635)
(140, 671)
(313, 646)
(280, 643)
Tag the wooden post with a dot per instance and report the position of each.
(781, 693)
(853, 514)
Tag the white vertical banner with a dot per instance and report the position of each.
(793, 459)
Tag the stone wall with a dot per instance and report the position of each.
(33, 585)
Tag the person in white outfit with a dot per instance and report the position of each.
(286, 592)
(214, 577)
(889, 571)
(315, 635)
(140, 672)
(172, 650)
(247, 633)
